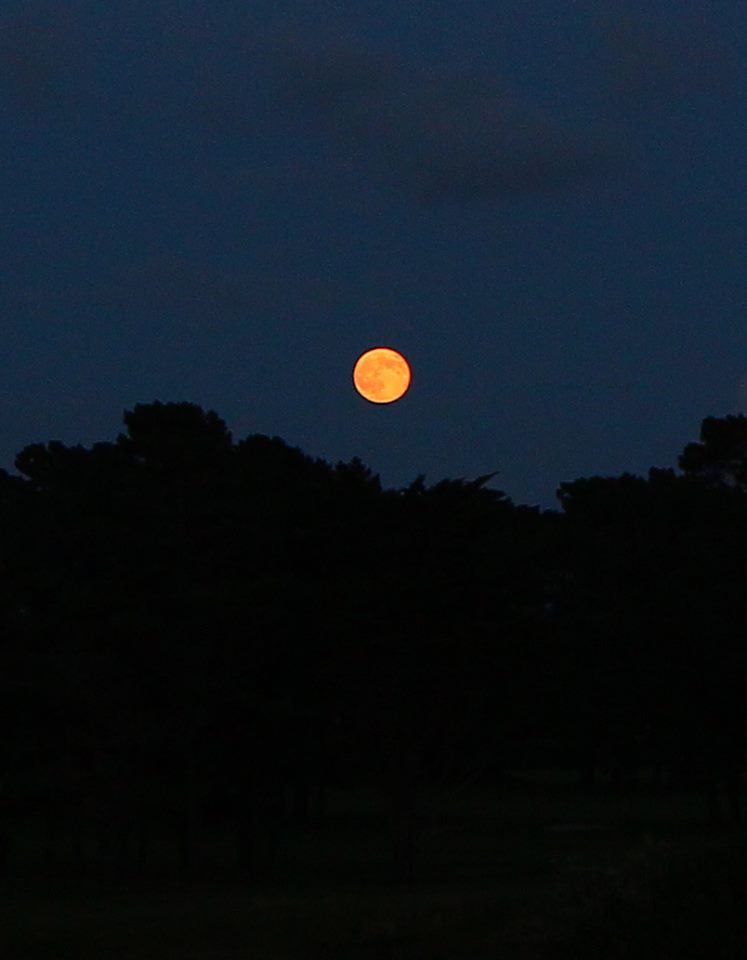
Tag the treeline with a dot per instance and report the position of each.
(199, 632)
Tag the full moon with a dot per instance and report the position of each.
(381, 375)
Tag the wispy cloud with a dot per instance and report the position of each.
(437, 135)
(41, 57)
(191, 293)
(653, 59)
(742, 395)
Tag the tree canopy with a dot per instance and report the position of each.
(191, 623)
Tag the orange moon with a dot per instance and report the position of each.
(382, 375)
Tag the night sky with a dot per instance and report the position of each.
(541, 204)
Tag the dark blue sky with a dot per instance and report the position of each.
(541, 204)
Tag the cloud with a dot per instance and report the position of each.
(434, 134)
(41, 54)
(169, 283)
(742, 396)
(192, 294)
(653, 59)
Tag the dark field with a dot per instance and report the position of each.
(532, 869)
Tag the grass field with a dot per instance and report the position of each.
(531, 870)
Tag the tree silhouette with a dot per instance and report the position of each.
(656, 568)
(721, 456)
(200, 634)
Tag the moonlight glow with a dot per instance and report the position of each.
(381, 375)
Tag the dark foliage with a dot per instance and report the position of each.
(200, 632)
